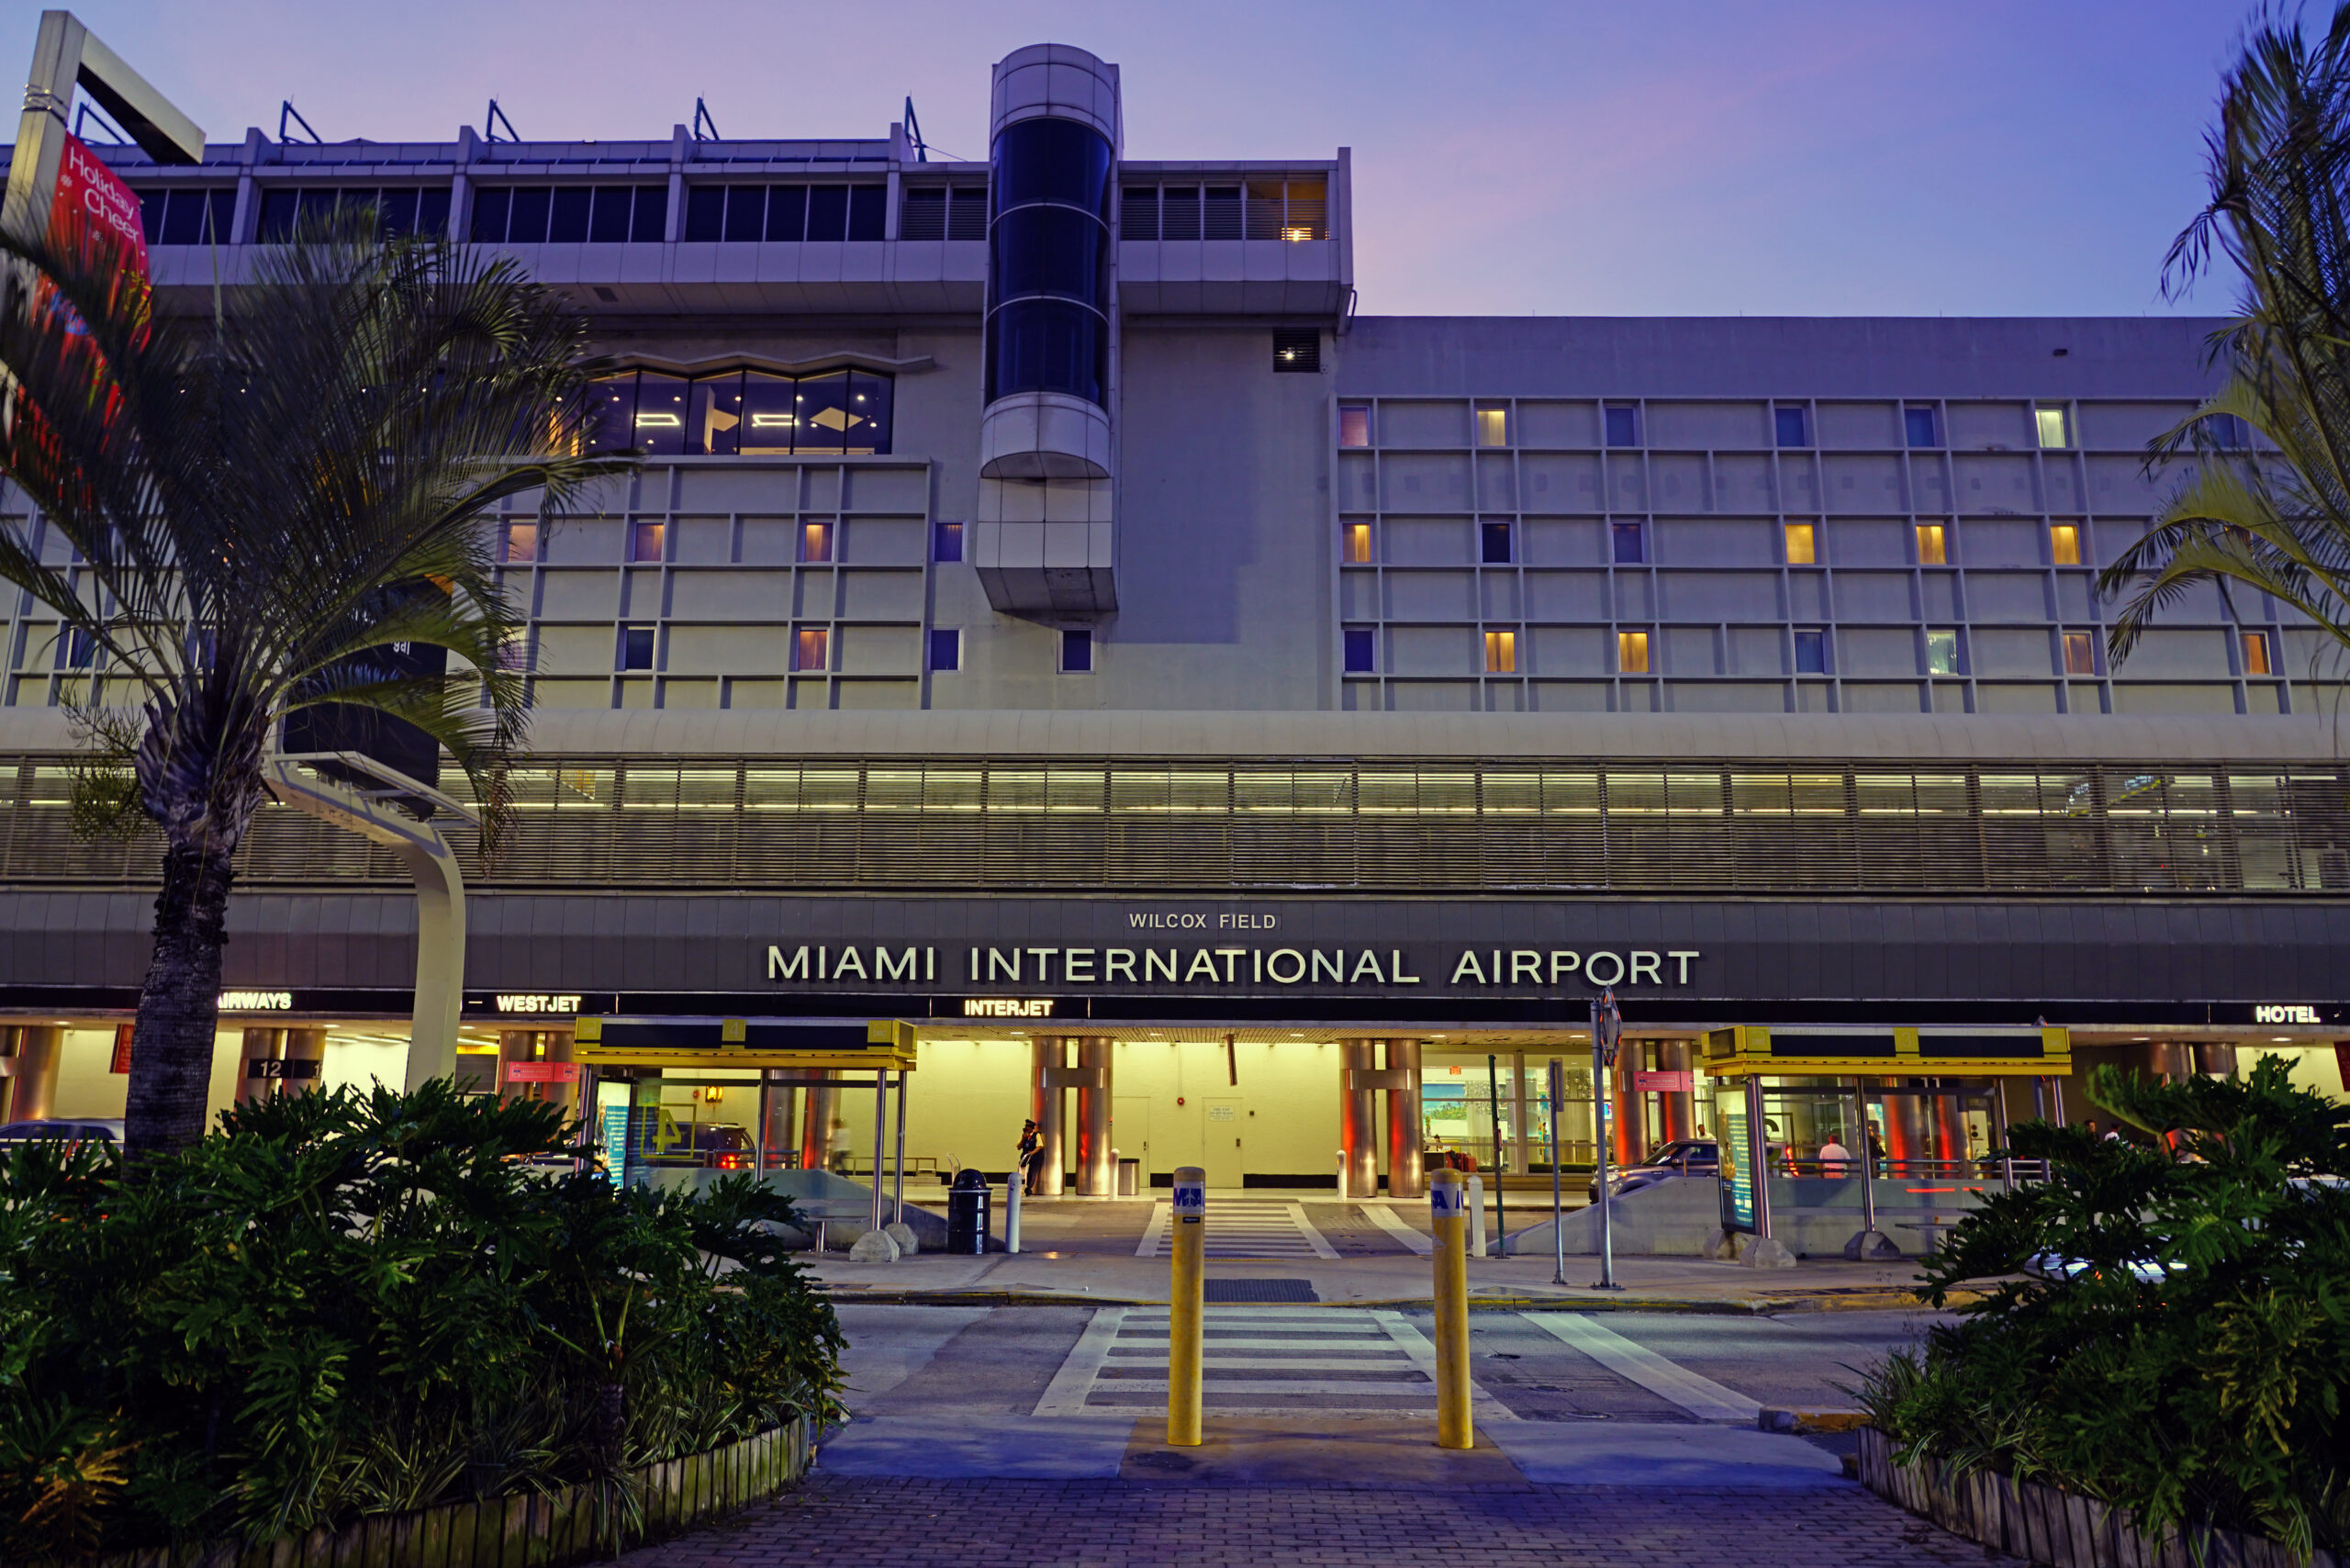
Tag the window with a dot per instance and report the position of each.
(1942, 653)
(645, 541)
(1623, 425)
(1918, 425)
(2255, 653)
(522, 544)
(947, 542)
(1811, 653)
(1297, 353)
(1354, 425)
(1802, 544)
(1492, 427)
(2064, 543)
(1631, 548)
(785, 214)
(1501, 652)
(81, 650)
(539, 215)
(1139, 212)
(2054, 428)
(1931, 549)
(2229, 432)
(1359, 643)
(815, 541)
(741, 413)
(2080, 654)
(193, 216)
(1494, 544)
(398, 210)
(636, 647)
(1076, 650)
(923, 214)
(1632, 653)
(1789, 426)
(946, 649)
(1358, 544)
(810, 649)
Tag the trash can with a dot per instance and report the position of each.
(967, 1215)
(1130, 1177)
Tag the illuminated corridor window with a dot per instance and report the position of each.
(645, 541)
(741, 413)
(1931, 549)
(809, 649)
(2080, 654)
(1358, 544)
(1354, 426)
(1942, 653)
(2054, 429)
(2255, 653)
(1492, 427)
(815, 541)
(1501, 652)
(1802, 551)
(2065, 544)
(1632, 653)
(522, 544)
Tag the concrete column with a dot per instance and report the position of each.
(1679, 1108)
(820, 1109)
(1518, 1117)
(1907, 1134)
(1045, 1052)
(780, 1129)
(1950, 1125)
(2172, 1061)
(260, 1046)
(1406, 1176)
(1358, 1121)
(32, 1088)
(2215, 1059)
(1097, 1173)
(1629, 1144)
(555, 1045)
(515, 1045)
(308, 1046)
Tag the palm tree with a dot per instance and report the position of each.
(261, 504)
(2278, 520)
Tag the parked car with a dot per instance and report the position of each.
(80, 1130)
(1683, 1156)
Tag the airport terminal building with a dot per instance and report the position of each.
(1053, 615)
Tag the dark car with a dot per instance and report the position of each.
(78, 1131)
(1683, 1156)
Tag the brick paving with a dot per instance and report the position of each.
(1127, 1524)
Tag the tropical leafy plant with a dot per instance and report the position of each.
(345, 1303)
(2169, 1318)
(2272, 516)
(260, 505)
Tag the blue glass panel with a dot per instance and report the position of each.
(1046, 346)
(1050, 250)
(1052, 160)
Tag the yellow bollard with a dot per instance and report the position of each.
(1449, 1208)
(1183, 1303)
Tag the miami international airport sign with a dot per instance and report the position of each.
(1179, 970)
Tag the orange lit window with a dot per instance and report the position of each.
(809, 649)
(815, 541)
(1354, 425)
(1492, 427)
(2065, 544)
(1358, 543)
(1632, 653)
(1930, 549)
(2080, 654)
(644, 541)
(2255, 653)
(1501, 652)
(1802, 548)
(522, 544)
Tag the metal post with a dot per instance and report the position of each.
(1600, 1107)
(1406, 1173)
(1758, 1149)
(1185, 1304)
(1447, 1203)
(1868, 1162)
(1521, 1128)
(897, 1182)
(1999, 1134)
(880, 1126)
(1500, 1205)
(759, 1140)
(1558, 1207)
(1011, 1211)
(1357, 1122)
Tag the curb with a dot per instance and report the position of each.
(1729, 1306)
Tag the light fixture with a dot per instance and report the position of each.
(2281, 1039)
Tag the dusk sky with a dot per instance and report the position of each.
(1992, 157)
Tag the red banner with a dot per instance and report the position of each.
(121, 1049)
(1645, 1082)
(92, 197)
(541, 1071)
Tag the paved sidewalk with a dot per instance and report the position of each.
(1127, 1524)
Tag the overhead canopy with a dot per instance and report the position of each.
(1746, 1050)
(879, 1044)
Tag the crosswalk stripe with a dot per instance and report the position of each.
(1269, 1228)
(1701, 1397)
(1384, 1218)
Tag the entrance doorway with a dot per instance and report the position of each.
(1221, 1153)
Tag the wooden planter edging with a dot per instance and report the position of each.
(2045, 1523)
(528, 1530)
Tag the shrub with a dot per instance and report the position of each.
(344, 1304)
(2189, 1357)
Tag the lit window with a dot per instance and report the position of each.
(1492, 427)
(1811, 653)
(1501, 652)
(1623, 425)
(81, 650)
(2065, 544)
(1942, 653)
(947, 542)
(1631, 548)
(1297, 353)
(816, 542)
(1076, 650)
(1918, 425)
(2055, 430)
(636, 647)
(1359, 643)
(1932, 551)
(946, 649)
(1354, 425)
(810, 649)
(522, 544)
(2255, 653)
(1802, 544)
(1789, 426)
(1358, 543)
(2080, 654)
(1632, 653)
(644, 541)
(1494, 544)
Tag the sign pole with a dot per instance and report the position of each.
(1184, 1305)
(1447, 1212)
(1500, 1205)
(1557, 1210)
(1607, 1028)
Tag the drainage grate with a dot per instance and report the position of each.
(1260, 1289)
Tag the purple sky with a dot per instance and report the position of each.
(1669, 158)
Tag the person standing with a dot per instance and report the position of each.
(1032, 1158)
(1835, 1159)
